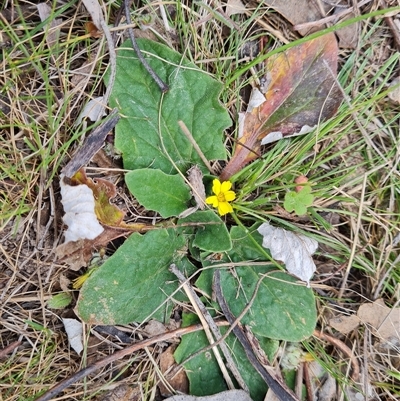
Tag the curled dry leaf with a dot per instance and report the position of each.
(297, 12)
(92, 109)
(86, 205)
(79, 204)
(322, 382)
(95, 12)
(293, 249)
(53, 28)
(308, 17)
(103, 191)
(107, 213)
(93, 30)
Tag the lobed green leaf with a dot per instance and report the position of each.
(148, 134)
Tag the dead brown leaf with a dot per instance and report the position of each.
(384, 321)
(345, 324)
(234, 7)
(178, 381)
(300, 12)
(121, 393)
(78, 253)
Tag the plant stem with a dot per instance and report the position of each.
(162, 85)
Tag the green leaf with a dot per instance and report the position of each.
(299, 201)
(204, 368)
(59, 301)
(34, 325)
(155, 190)
(290, 201)
(133, 283)
(211, 233)
(39, 327)
(305, 196)
(150, 119)
(282, 309)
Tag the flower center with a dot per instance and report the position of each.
(221, 197)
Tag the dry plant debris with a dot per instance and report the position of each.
(54, 58)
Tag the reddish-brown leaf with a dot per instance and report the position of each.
(78, 253)
(300, 91)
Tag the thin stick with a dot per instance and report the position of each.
(11, 347)
(280, 389)
(163, 86)
(344, 348)
(92, 144)
(239, 317)
(209, 324)
(355, 241)
(299, 380)
(98, 18)
(334, 17)
(307, 382)
(189, 136)
(389, 21)
(48, 395)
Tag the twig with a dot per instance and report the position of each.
(356, 236)
(192, 141)
(11, 347)
(280, 389)
(366, 379)
(113, 66)
(164, 18)
(344, 348)
(92, 144)
(240, 316)
(325, 20)
(163, 86)
(298, 387)
(97, 15)
(208, 323)
(391, 25)
(48, 395)
(307, 382)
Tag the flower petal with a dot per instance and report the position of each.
(229, 196)
(216, 188)
(226, 186)
(224, 208)
(212, 200)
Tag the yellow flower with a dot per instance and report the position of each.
(222, 196)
